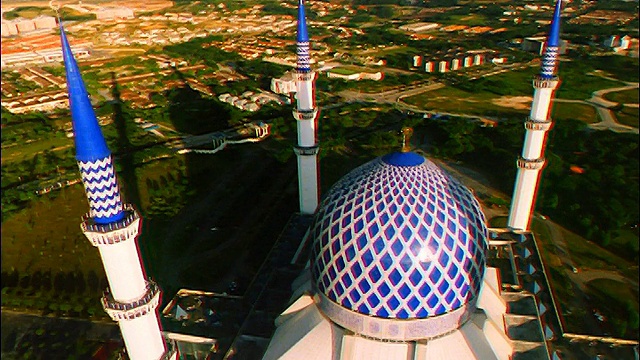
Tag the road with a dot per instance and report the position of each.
(606, 115)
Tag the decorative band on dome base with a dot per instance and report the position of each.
(395, 329)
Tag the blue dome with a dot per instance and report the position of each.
(398, 238)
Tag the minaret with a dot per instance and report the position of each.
(537, 125)
(112, 227)
(306, 113)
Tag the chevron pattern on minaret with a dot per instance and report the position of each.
(304, 60)
(549, 62)
(101, 187)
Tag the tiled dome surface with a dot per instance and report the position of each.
(401, 242)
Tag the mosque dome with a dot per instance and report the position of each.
(399, 238)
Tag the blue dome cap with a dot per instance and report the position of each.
(90, 144)
(302, 23)
(397, 241)
(403, 159)
(92, 153)
(554, 33)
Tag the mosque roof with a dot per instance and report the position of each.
(398, 238)
(304, 332)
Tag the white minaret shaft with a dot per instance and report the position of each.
(306, 115)
(113, 228)
(532, 161)
(130, 300)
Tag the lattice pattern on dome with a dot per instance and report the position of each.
(399, 242)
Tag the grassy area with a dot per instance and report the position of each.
(458, 101)
(470, 20)
(28, 151)
(28, 12)
(575, 85)
(55, 240)
(342, 71)
(389, 50)
(618, 304)
(498, 222)
(83, 304)
(587, 254)
(565, 111)
(626, 244)
(616, 66)
(628, 116)
(624, 97)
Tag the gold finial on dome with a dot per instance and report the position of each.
(406, 136)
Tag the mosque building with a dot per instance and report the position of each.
(399, 254)
(402, 264)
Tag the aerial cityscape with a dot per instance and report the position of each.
(358, 179)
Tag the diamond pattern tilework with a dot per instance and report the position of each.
(411, 238)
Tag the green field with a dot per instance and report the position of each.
(628, 116)
(458, 101)
(626, 243)
(342, 71)
(28, 12)
(624, 97)
(52, 226)
(619, 67)
(575, 85)
(27, 151)
(619, 305)
(565, 111)
(470, 20)
(31, 12)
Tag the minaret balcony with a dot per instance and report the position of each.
(305, 114)
(305, 76)
(112, 233)
(306, 150)
(132, 310)
(531, 124)
(543, 83)
(527, 164)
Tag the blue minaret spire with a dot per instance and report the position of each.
(92, 153)
(550, 57)
(303, 41)
(132, 299)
